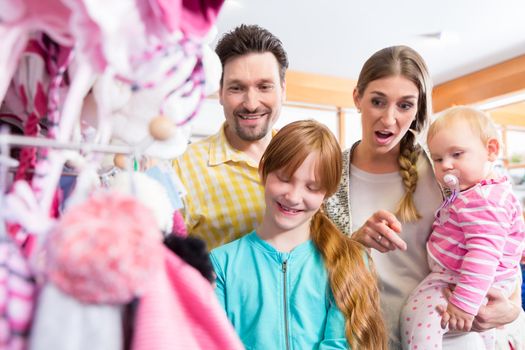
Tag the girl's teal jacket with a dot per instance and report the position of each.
(277, 300)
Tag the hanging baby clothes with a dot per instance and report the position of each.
(18, 19)
(165, 174)
(179, 310)
(64, 323)
(103, 250)
(17, 293)
(193, 251)
(108, 251)
(98, 258)
(37, 81)
(149, 192)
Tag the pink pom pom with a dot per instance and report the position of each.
(104, 250)
(179, 228)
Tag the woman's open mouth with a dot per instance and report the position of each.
(383, 137)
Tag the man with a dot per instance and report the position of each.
(225, 198)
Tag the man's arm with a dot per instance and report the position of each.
(499, 310)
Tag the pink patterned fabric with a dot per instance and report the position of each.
(29, 92)
(17, 293)
(179, 310)
(198, 16)
(105, 249)
(18, 18)
(88, 33)
(481, 236)
(192, 17)
(179, 227)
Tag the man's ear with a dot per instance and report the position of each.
(220, 95)
(493, 149)
(261, 177)
(283, 86)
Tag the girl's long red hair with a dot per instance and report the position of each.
(352, 280)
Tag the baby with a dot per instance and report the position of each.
(478, 235)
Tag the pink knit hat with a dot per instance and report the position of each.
(104, 250)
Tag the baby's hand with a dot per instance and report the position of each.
(457, 319)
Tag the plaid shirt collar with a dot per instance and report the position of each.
(221, 151)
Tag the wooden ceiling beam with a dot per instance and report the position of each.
(500, 79)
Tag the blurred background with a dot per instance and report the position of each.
(475, 51)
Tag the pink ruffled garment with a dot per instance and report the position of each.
(179, 227)
(107, 33)
(124, 34)
(18, 18)
(27, 90)
(28, 93)
(137, 39)
(179, 310)
(198, 16)
(194, 18)
(33, 84)
(17, 293)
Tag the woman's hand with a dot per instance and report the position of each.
(381, 232)
(498, 312)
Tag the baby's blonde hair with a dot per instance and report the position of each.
(480, 123)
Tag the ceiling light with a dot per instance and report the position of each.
(232, 3)
(443, 36)
(502, 101)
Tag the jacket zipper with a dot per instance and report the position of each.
(285, 306)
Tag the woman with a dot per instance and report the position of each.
(390, 207)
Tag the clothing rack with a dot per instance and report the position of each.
(29, 141)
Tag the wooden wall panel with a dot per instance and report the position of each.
(506, 118)
(500, 79)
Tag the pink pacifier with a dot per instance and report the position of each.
(451, 181)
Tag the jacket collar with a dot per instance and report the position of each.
(301, 250)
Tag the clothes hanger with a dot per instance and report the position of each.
(5, 163)
(7, 140)
(28, 141)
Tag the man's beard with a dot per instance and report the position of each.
(254, 133)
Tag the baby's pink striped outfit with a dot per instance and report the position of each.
(477, 242)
